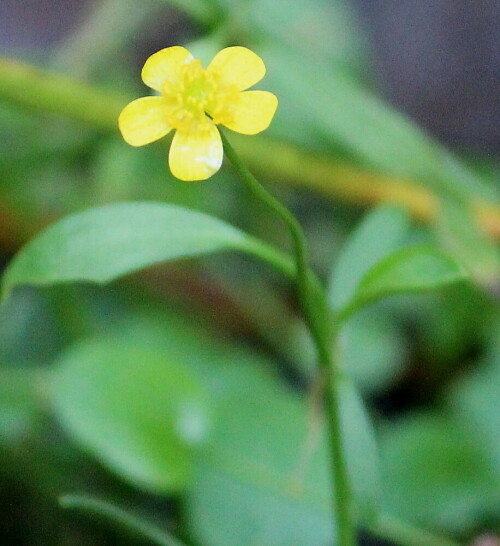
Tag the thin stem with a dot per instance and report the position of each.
(318, 318)
(309, 287)
(124, 519)
(404, 533)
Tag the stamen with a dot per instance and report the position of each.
(196, 94)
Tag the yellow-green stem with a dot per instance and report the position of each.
(317, 318)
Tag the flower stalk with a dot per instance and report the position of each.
(318, 319)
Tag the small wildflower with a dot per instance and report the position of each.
(192, 101)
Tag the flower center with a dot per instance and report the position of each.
(195, 94)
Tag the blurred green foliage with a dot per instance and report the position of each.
(180, 391)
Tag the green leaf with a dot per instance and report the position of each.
(373, 351)
(434, 474)
(413, 269)
(231, 373)
(135, 410)
(328, 29)
(20, 404)
(28, 331)
(265, 477)
(475, 401)
(381, 232)
(102, 244)
(460, 233)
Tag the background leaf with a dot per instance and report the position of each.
(105, 243)
(460, 234)
(382, 231)
(136, 410)
(373, 351)
(327, 29)
(20, 404)
(412, 269)
(475, 401)
(264, 478)
(360, 450)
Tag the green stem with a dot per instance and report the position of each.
(402, 532)
(124, 519)
(317, 317)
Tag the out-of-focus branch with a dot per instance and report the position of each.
(27, 86)
(31, 87)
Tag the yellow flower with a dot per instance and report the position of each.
(193, 101)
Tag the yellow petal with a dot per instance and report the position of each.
(144, 120)
(196, 155)
(253, 112)
(165, 64)
(238, 66)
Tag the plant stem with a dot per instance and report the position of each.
(126, 520)
(318, 319)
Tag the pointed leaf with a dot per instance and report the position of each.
(380, 233)
(460, 234)
(134, 409)
(413, 269)
(102, 244)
